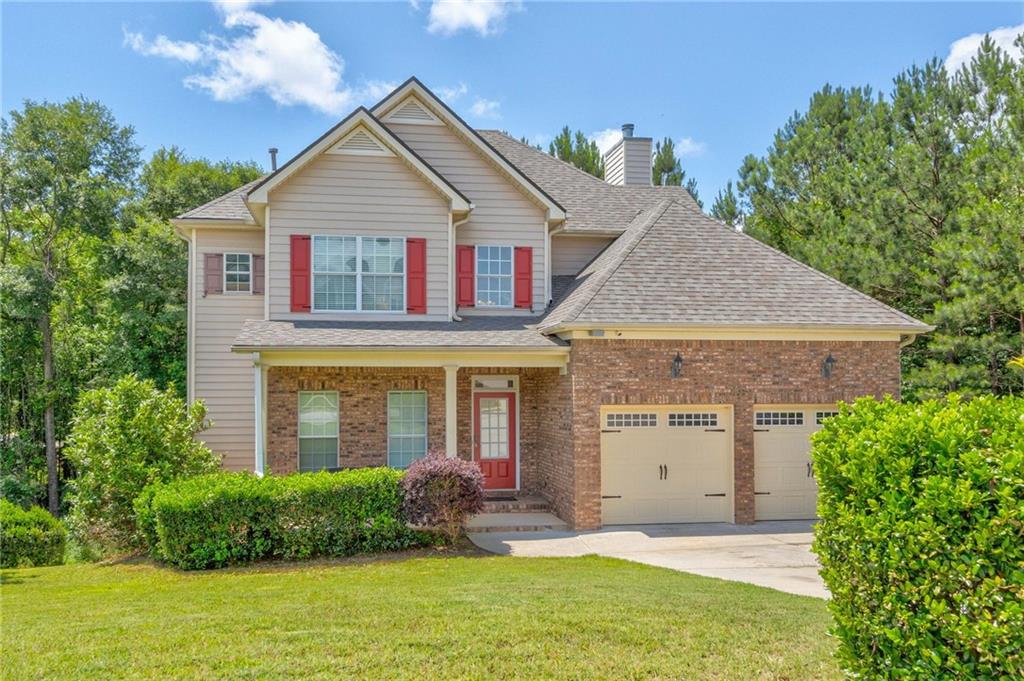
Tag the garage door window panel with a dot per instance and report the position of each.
(632, 420)
(693, 420)
(779, 418)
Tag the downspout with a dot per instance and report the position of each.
(190, 345)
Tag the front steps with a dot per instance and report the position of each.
(509, 512)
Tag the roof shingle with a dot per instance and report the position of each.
(472, 332)
(676, 266)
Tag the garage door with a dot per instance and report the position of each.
(666, 464)
(784, 484)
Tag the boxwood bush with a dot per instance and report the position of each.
(921, 537)
(225, 518)
(30, 537)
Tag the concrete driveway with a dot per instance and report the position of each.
(775, 554)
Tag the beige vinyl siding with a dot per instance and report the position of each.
(570, 254)
(340, 194)
(502, 214)
(638, 161)
(614, 166)
(223, 379)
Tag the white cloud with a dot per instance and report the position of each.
(541, 138)
(285, 60)
(606, 138)
(485, 108)
(450, 94)
(687, 146)
(962, 50)
(486, 17)
(162, 46)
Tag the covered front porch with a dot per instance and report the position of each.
(508, 409)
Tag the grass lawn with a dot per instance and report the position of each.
(420, 617)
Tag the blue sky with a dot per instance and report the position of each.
(228, 80)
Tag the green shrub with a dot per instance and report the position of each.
(921, 537)
(124, 438)
(224, 518)
(30, 538)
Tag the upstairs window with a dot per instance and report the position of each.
(494, 276)
(358, 274)
(237, 273)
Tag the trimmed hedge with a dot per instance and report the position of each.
(30, 538)
(226, 518)
(921, 537)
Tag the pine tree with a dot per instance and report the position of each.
(667, 170)
(727, 206)
(579, 151)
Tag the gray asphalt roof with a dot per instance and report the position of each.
(591, 205)
(472, 332)
(230, 206)
(674, 265)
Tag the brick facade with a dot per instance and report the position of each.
(559, 414)
(738, 373)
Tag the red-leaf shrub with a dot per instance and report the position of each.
(441, 492)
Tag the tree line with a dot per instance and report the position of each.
(92, 275)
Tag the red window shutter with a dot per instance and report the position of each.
(523, 268)
(300, 272)
(416, 276)
(465, 266)
(213, 273)
(258, 277)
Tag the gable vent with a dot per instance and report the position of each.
(361, 143)
(412, 112)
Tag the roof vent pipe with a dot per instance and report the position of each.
(627, 129)
(273, 158)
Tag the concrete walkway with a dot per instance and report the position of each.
(775, 554)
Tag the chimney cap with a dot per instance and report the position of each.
(627, 129)
(273, 158)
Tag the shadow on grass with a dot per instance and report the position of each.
(16, 575)
(462, 549)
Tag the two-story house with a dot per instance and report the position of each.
(407, 283)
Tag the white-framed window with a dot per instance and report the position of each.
(779, 418)
(238, 273)
(638, 420)
(494, 276)
(318, 430)
(693, 420)
(407, 427)
(819, 417)
(358, 274)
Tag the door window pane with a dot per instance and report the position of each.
(494, 440)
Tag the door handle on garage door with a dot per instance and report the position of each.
(661, 471)
(718, 494)
(606, 430)
(714, 430)
(759, 493)
(611, 496)
(761, 430)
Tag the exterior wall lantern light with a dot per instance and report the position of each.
(677, 366)
(827, 366)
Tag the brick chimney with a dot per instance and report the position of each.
(629, 161)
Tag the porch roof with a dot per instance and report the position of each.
(482, 332)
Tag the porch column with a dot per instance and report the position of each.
(451, 412)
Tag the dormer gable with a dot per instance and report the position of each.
(413, 96)
(359, 133)
(412, 112)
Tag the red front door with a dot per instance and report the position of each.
(494, 438)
